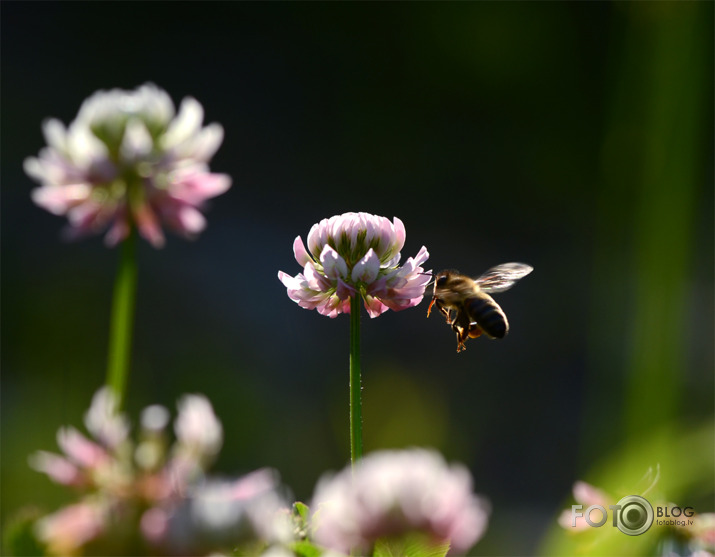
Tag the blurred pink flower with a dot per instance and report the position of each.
(128, 158)
(393, 493)
(587, 495)
(703, 532)
(356, 253)
(221, 513)
(176, 508)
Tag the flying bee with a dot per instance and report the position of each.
(467, 305)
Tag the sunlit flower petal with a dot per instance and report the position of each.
(136, 143)
(334, 266)
(58, 200)
(70, 528)
(301, 254)
(59, 469)
(103, 419)
(367, 269)
(186, 124)
(79, 449)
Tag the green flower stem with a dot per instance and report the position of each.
(355, 382)
(122, 318)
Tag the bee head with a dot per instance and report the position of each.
(444, 278)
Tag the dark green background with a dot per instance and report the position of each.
(577, 137)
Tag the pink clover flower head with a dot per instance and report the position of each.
(129, 158)
(394, 493)
(351, 254)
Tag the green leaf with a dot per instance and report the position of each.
(300, 517)
(302, 510)
(414, 544)
(19, 536)
(305, 548)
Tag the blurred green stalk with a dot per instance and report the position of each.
(655, 141)
(122, 318)
(355, 382)
(674, 113)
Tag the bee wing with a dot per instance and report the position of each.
(502, 277)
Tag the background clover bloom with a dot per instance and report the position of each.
(127, 159)
(395, 493)
(153, 497)
(351, 254)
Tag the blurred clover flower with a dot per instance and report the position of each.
(390, 494)
(221, 514)
(127, 159)
(356, 253)
(585, 494)
(176, 508)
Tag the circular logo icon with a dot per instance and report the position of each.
(635, 515)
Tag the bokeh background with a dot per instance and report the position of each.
(577, 137)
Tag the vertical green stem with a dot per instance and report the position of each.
(122, 318)
(355, 382)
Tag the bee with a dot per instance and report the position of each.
(467, 305)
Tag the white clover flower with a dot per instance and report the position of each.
(103, 419)
(356, 254)
(395, 493)
(197, 428)
(127, 158)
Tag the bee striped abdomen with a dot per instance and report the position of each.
(488, 315)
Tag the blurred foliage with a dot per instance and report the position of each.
(685, 465)
(576, 137)
(416, 546)
(18, 533)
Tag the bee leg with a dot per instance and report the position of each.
(462, 336)
(460, 347)
(447, 314)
